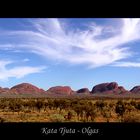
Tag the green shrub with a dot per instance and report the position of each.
(57, 118)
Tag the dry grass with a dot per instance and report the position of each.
(69, 110)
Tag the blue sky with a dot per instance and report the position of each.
(78, 52)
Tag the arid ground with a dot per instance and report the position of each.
(69, 110)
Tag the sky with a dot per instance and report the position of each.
(75, 52)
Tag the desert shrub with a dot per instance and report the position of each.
(81, 110)
(23, 117)
(57, 118)
(129, 108)
(131, 118)
(137, 106)
(120, 109)
(2, 106)
(31, 104)
(69, 116)
(45, 105)
(39, 105)
(120, 102)
(111, 105)
(100, 104)
(106, 113)
(56, 104)
(63, 104)
(74, 103)
(85, 110)
(15, 106)
(77, 109)
(73, 109)
(50, 104)
(2, 120)
(93, 114)
(133, 103)
(90, 111)
(67, 104)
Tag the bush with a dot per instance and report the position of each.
(2, 120)
(120, 110)
(137, 106)
(69, 116)
(131, 118)
(39, 105)
(57, 118)
(100, 104)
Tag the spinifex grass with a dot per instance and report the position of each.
(69, 110)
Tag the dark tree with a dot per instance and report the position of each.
(120, 109)
(68, 116)
(39, 105)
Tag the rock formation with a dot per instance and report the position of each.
(66, 90)
(135, 89)
(108, 88)
(83, 91)
(26, 88)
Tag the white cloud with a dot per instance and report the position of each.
(18, 71)
(51, 39)
(126, 64)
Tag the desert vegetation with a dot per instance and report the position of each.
(69, 110)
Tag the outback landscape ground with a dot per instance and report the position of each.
(69, 110)
(107, 102)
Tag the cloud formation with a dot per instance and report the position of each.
(16, 72)
(126, 64)
(97, 45)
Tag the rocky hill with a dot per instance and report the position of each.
(83, 91)
(26, 88)
(66, 90)
(135, 89)
(111, 88)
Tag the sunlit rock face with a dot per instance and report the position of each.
(26, 88)
(66, 90)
